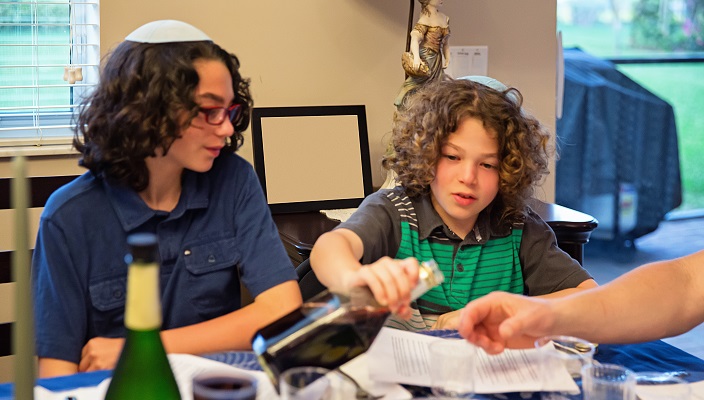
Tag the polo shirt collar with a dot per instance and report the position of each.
(132, 211)
(429, 220)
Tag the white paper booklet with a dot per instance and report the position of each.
(403, 357)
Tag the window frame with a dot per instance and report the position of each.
(43, 122)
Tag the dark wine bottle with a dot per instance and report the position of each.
(329, 329)
(143, 371)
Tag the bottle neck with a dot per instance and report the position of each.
(143, 305)
(420, 289)
(429, 276)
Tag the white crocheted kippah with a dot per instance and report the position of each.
(167, 31)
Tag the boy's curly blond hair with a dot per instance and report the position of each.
(437, 109)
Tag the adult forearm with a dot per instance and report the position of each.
(650, 302)
(588, 284)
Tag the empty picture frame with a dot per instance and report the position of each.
(312, 158)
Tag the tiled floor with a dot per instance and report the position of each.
(672, 239)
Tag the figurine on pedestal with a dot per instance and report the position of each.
(429, 50)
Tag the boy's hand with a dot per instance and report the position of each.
(390, 281)
(100, 353)
(449, 320)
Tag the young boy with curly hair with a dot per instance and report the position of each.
(467, 157)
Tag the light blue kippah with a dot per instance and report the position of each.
(486, 81)
(492, 83)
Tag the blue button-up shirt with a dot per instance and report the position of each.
(221, 231)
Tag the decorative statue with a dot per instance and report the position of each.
(429, 49)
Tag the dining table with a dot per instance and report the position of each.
(653, 356)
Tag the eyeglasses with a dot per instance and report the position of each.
(217, 115)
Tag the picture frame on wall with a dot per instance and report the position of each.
(312, 158)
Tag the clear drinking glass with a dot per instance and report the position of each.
(568, 352)
(608, 382)
(661, 386)
(452, 367)
(315, 383)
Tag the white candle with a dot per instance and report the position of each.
(23, 335)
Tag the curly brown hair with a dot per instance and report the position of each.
(138, 107)
(438, 108)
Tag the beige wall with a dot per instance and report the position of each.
(332, 52)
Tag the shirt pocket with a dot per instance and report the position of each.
(108, 299)
(213, 279)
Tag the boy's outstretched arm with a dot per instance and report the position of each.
(335, 260)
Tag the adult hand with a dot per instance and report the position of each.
(502, 320)
(100, 353)
(390, 281)
(448, 320)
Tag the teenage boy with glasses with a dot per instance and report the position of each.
(156, 139)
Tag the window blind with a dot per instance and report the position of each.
(49, 61)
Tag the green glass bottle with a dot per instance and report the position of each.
(143, 371)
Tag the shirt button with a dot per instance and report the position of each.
(117, 294)
(187, 253)
(211, 258)
(460, 267)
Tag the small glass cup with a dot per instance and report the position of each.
(662, 386)
(608, 382)
(315, 383)
(452, 367)
(567, 352)
(224, 386)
